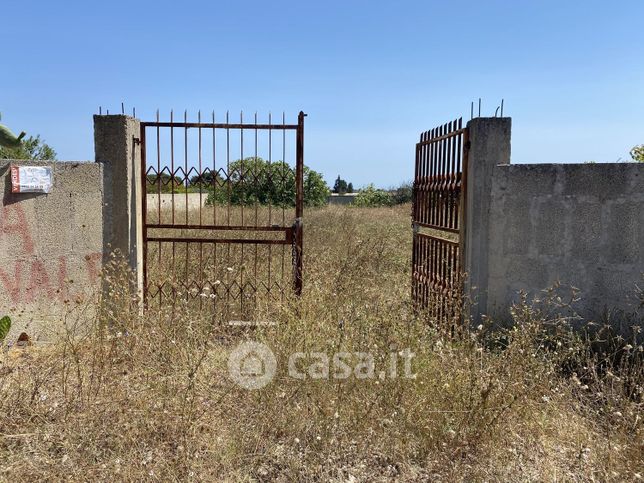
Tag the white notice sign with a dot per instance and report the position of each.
(31, 179)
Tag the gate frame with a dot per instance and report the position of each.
(439, 163)
(293, 234)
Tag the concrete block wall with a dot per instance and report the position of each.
(179, 199)
(531, 225)
(345, 199)
(579, 224)
(51, 245)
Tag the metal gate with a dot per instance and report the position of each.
(222, 212)
(438, 218)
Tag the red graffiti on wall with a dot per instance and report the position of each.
(93, 261)
(12, 283)
(16, 226)
(40, 283)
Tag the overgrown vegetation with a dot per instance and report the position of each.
(30, 148)
(130, 397)
(372, 197)
(5, 327)
(402, 193)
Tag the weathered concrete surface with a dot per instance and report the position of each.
(489, 140)
(51, 245)
(194, 200)
(116, 147)
(344, 199)
(580, 224)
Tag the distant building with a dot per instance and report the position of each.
(341, 199)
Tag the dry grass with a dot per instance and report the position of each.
(150, 398)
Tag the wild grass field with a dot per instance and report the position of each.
(150, 397)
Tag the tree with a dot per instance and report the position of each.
(340, 186)
(350, 188)
(637, 153)
(30, 148)
(163, 183)
(206, 179)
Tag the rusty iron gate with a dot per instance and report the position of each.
(222, 211)
(438, 220)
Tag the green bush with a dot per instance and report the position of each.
(316, 191)
(372, 197)
(403, 193)
(254, 180)
(163, 183)
(637, 153)
(5, 326)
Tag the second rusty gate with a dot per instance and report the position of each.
(222, 211)
(438, 220)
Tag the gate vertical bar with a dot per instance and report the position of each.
(144, 214)
(299, 203)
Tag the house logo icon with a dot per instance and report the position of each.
(252, 365)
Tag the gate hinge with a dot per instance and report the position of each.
(136, 140)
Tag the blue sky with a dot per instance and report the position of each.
(371, 75)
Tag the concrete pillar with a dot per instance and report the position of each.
(116, 147)
(489, 146)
